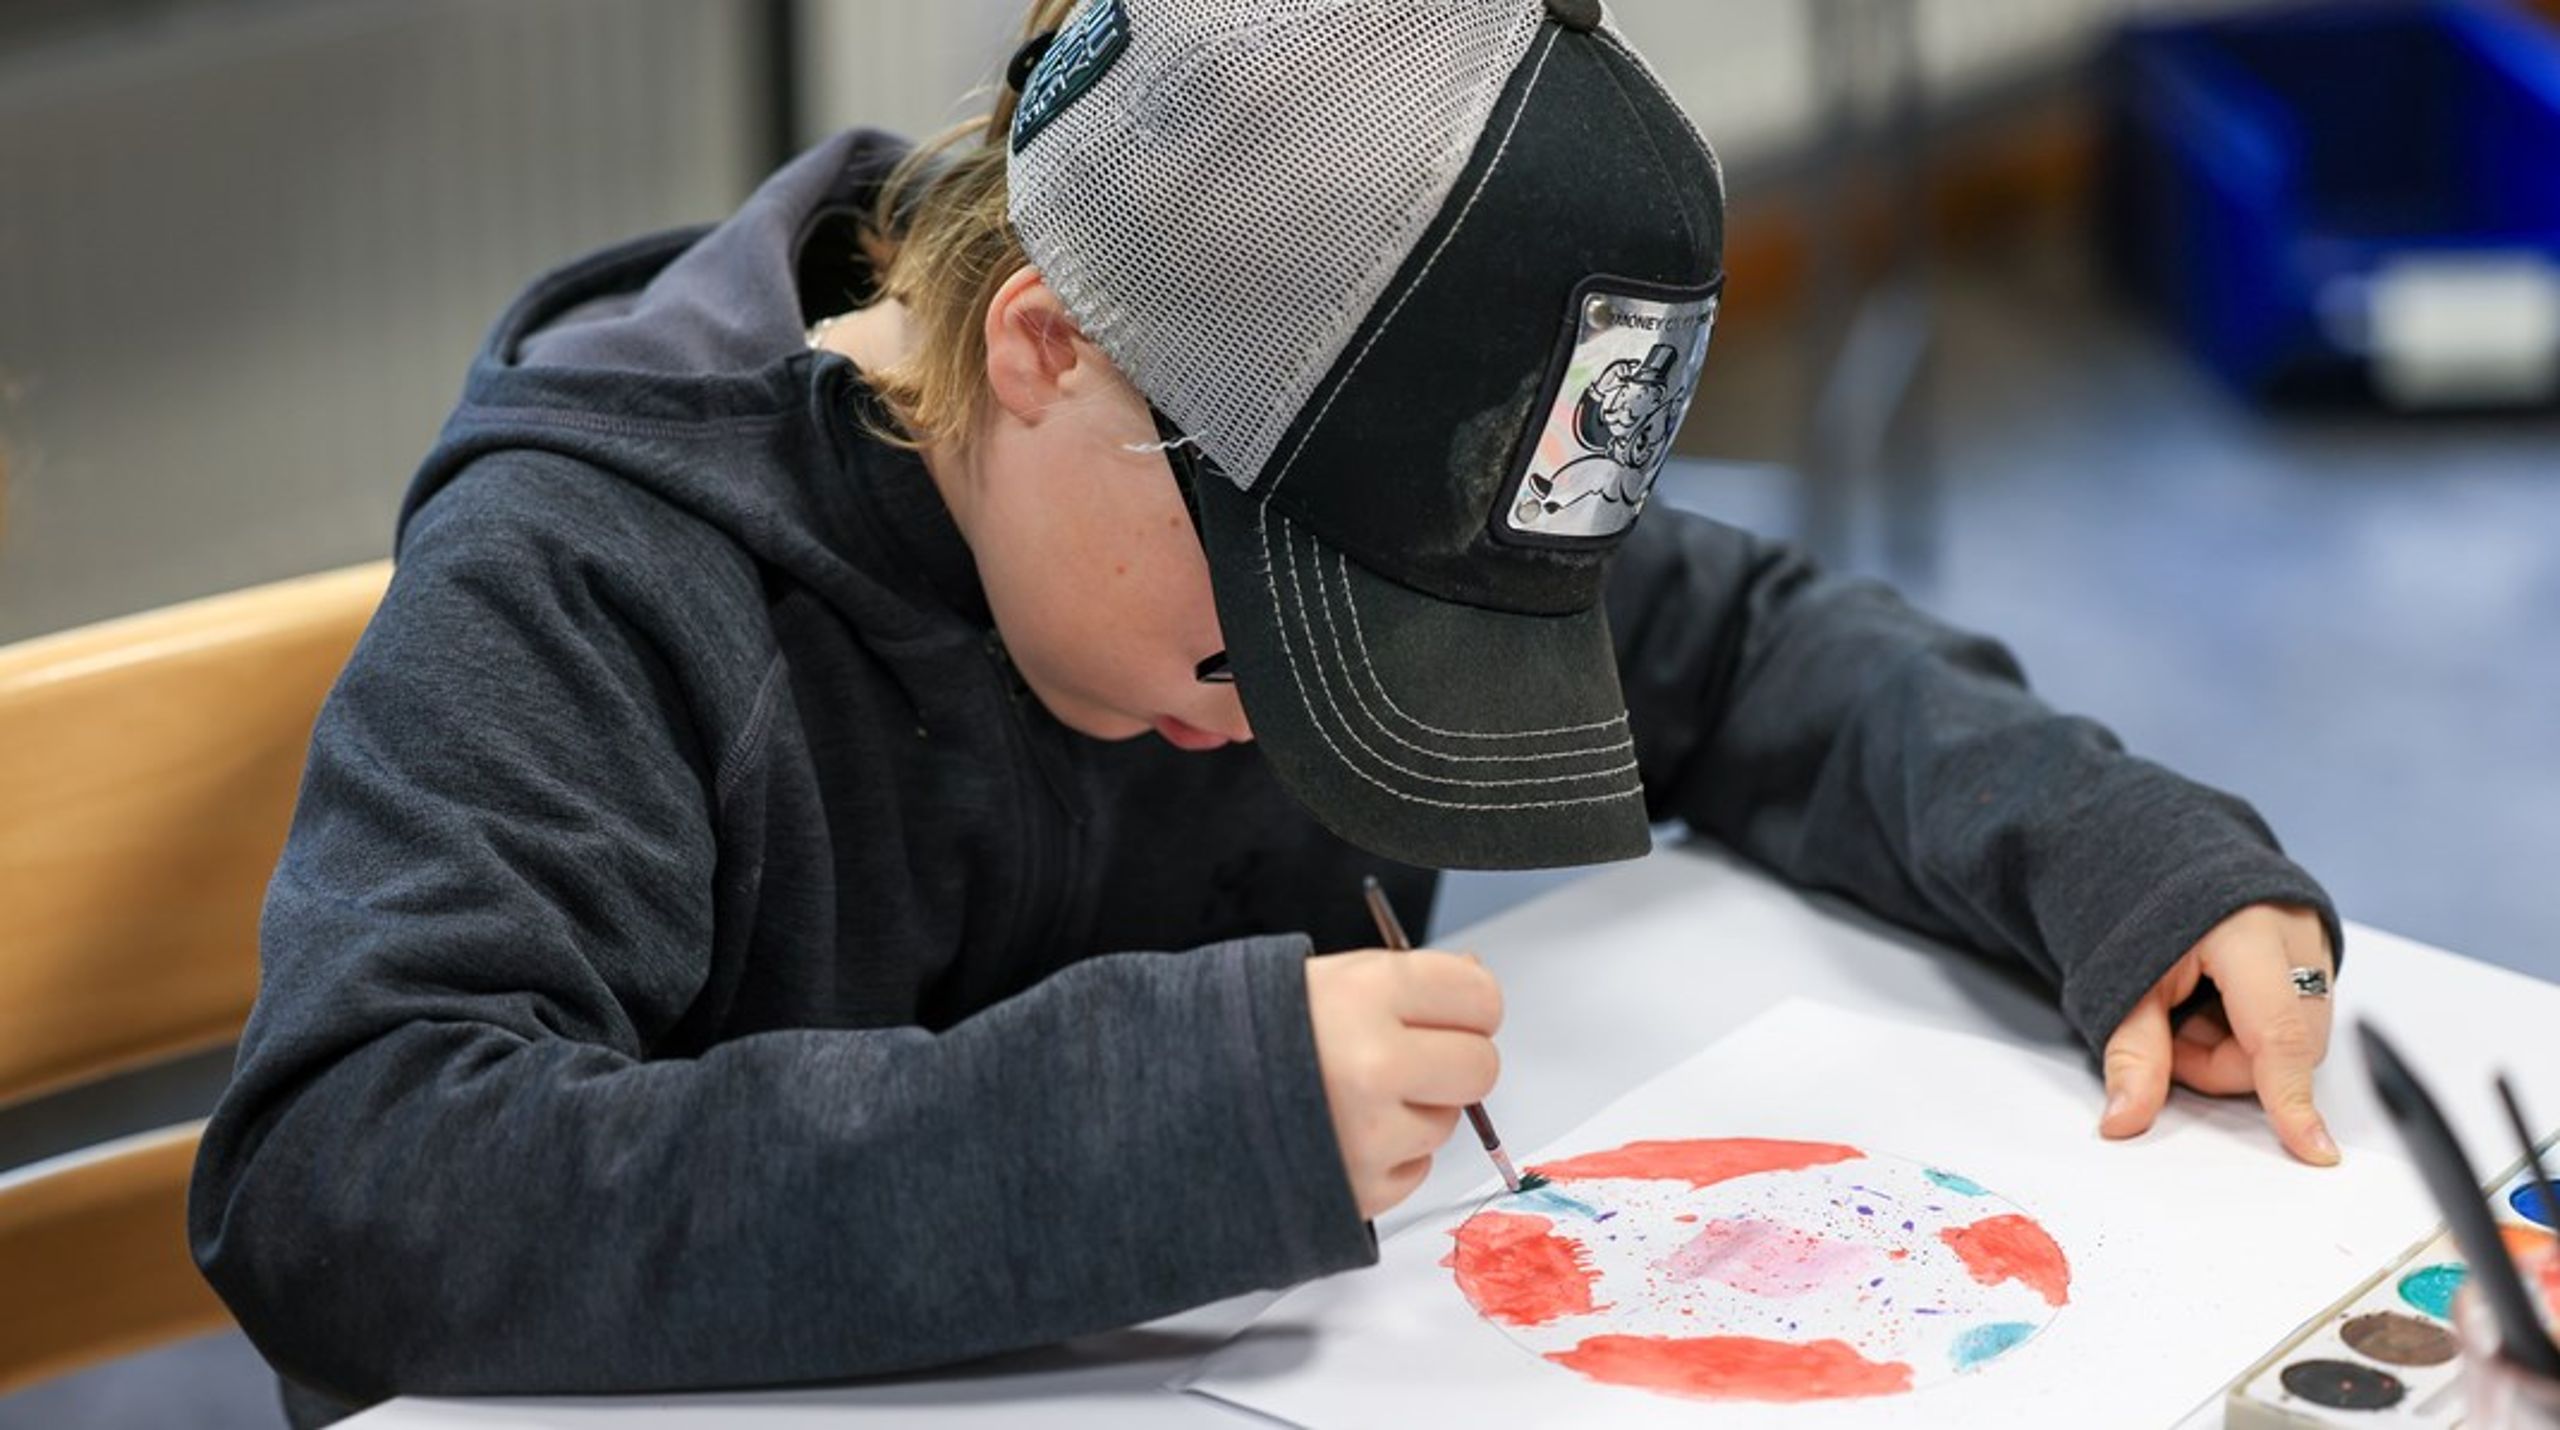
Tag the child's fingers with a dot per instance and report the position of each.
(1447, 1068)
(2205, 1027)
(2137, 1068)
(1444, 990)
(1422, 1132)
(2212, 1062)
(2286, 1034)
(1404, 1177)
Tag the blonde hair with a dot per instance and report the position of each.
(940, 244)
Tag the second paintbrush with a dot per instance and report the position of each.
(1391, 929)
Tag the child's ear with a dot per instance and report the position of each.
(1033, 346)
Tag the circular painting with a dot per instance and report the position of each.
(1752, 1269)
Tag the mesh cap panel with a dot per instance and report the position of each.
(1223, 206)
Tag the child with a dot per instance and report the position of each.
(734, 931)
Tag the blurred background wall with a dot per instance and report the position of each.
(246, 249)
(247, 246)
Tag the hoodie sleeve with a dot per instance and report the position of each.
(450, 1164)
(1827, 730)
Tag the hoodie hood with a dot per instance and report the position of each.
(679, 363)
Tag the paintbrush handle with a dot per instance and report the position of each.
(1391, 929)
(2532, 1151)
(2456, 1187)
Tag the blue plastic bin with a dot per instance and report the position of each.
(2265, 168)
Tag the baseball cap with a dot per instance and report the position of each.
(1428, 284)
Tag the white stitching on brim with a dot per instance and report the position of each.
(1315, 658)
(1633, 788)
(1350, 599)
(1327, 686)
(1324, 593)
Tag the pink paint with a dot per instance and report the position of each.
(1763, 1258)
(2012, 1248)
(1515, 1269)
(1736, 1367)
(1700, 1162)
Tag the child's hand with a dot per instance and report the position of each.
(1405, 1040)
(2266, 1037)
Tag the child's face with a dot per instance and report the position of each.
(1089, 559)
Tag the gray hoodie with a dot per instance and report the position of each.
(697, 961)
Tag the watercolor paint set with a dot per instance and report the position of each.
(2385, 1354)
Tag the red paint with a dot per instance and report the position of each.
(2012, 1248)
(1736, 1367)
(1516, 1270)
(1702, 1162)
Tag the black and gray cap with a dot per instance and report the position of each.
(1429, 283)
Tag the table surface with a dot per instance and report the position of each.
(1609, 981)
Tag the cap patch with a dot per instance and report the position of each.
(1084, 48)
(1625, 385)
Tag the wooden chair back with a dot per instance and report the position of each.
(93, 1253)
(148, 768)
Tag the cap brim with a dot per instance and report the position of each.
(1429, 732)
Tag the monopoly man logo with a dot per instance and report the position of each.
(1624, 388)
(1073, 61)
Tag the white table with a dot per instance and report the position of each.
(1609, 981)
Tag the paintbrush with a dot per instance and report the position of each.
(1391, 929)
(2532, 1153)
(2456, 1187)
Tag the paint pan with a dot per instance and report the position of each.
(2385, 1354)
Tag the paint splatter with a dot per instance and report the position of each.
(1766, 1259)
(1516, 1270)
(2431, 1288)
(1736, 1367)
(2012, 1248)
(1700, 1163)
(1961, 1186)
(1981, 1343)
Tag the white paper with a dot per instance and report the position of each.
(2192, 1251)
